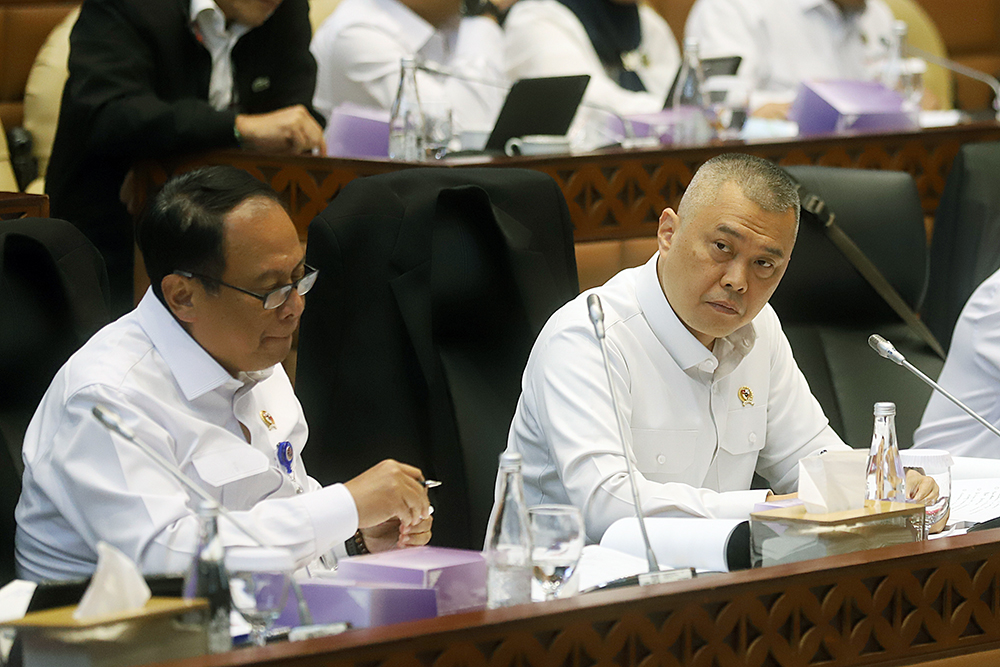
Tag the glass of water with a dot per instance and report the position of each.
(936, 464)
(259, 579)
(557, 537)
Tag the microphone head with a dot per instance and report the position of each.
(596, 314)
(112, 421)
(885, 349)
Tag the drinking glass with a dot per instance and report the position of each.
(259, 578)
(438, 129)
(557, 541)
(730, 100)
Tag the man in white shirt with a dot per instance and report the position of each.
(358, 49)
(785, 42)
(708, 390)
(972, 373)
(195, 371)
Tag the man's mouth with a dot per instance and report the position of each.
(724, 307)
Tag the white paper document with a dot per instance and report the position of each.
(677, 542)
(974, 500)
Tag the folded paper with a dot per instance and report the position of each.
(833, 481)
(116, 587)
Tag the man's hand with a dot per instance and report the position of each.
(291, 130)
(393, 535)
(920, 487)
(391, 490)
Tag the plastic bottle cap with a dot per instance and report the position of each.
(933, 461)
(510, 459)
(884, 409)
(259, 559)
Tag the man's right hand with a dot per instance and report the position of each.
(390, 490)
(291, 130)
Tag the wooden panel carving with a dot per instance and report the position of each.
(899, 605)
(610, 194)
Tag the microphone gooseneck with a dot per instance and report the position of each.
(888, 350)
(597, 319)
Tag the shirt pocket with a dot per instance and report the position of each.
(218, 468)
(664, 456)
(740, 447)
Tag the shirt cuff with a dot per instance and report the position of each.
(739, 504)
(333, 514)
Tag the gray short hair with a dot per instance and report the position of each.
(761, 181)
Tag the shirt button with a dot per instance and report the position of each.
(661, 459)
(752, 438)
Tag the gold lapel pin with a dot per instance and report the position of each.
(268, 420)
(745, 395)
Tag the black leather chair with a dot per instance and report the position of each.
(828, 310)
(53, 297)
(434, 284)
(965, 247)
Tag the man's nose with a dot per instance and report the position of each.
(735, 277)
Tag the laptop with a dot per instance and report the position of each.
(724, 66)
(538, 106)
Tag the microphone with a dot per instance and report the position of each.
(655, 575)
(889, 351)
(112, 421)
(955, 67)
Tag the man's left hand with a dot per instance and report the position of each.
(392, 535)
(921, 487)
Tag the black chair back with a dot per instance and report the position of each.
(828, 309)
(434, 284)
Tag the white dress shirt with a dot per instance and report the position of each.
(785, 42)
(545, 38)
(972, 374)
(695, 442)
(358, 49)
(81, 484)
(209, 25)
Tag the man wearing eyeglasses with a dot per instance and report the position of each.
(195, 371)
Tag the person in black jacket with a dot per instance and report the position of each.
(150, 79)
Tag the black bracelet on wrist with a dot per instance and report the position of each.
(356, 545)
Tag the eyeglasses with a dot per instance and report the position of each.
(273, 299)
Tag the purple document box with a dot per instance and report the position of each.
(357, 131)
(458, 576)
(836, 106)
(362, 604)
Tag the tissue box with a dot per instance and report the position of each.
(836, 106)
(357, 131)
(151, 634)
(362, 604)
(791, 534)
(457, 576)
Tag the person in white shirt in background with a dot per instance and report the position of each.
(627, 49)
(972, 374)
(358, 49)
(785, 42)
(195, 371)
(708, 389)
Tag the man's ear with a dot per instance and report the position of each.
(669, 222)
(179, 293)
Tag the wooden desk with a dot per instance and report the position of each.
(611, 194)
(901, 605)
(21, 205)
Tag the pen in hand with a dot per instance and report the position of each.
(431, 483)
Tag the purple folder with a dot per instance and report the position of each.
(362, 604)
(357, 131)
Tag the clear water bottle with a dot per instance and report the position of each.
(885, 467)
(406, 122)
(208, 579)
(902, 74)
(690, 102)
(508, 540)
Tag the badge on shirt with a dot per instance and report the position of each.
(745, 394)
(268, 420)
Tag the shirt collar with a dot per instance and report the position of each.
(676, 339)
(196, 372)
(217, 19)
(414, 32)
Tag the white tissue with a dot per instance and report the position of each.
(833, 482)
(116, 587)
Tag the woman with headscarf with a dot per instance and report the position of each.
(627, 49)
